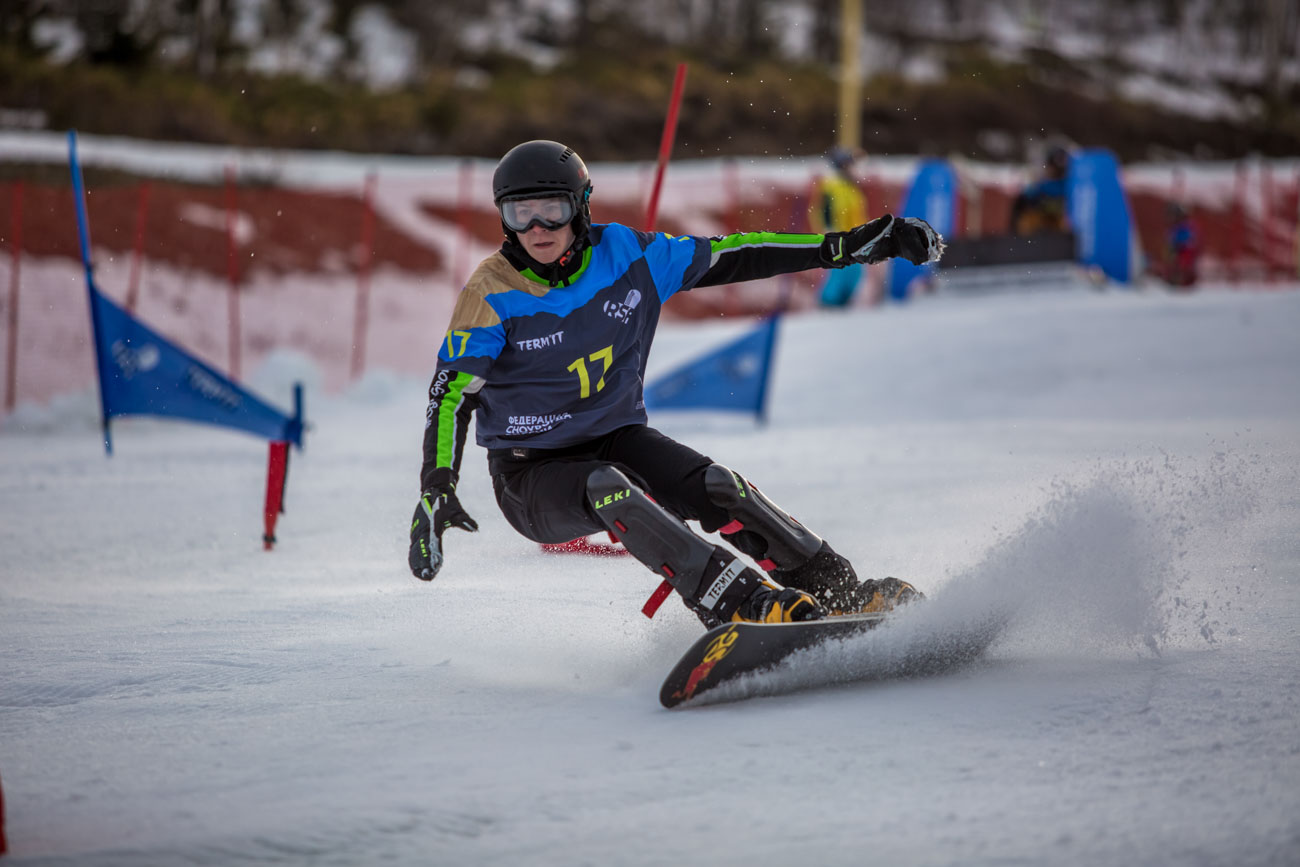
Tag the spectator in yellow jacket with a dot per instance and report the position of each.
(838, 204)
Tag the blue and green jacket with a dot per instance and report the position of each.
(548, 366)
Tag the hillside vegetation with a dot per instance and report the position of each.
(600, 78)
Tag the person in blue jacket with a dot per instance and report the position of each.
(548, 344)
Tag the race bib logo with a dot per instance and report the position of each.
(622, 311)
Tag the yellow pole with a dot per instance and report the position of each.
(850, 74)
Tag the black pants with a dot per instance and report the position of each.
(543, 492)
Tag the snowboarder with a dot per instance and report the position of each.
(548, 343)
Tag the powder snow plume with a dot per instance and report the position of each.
(1108, 562)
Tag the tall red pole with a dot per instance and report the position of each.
(1266, 218)
(141, 215)
(361, 321)
(1235, 227)
(232, 271)
(666, 146)
(731, 201)
(16, 255)
(4, 845)
(1295, 245)
(731, 193)
(464, 194)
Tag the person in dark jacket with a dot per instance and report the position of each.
(1041, 206)
(548, 345)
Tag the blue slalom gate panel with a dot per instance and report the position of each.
(933, 198)
(143, 373)
(733, 377)
(1099, 214)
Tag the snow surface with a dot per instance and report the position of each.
(1119, 469)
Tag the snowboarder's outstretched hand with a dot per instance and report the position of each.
(437, 510)
(881, 239)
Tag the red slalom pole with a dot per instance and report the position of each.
(141, 215)
(4, 846)
(1238, 216)
(666, 146)
(277, 471)
(464, 202)
(16, 255)
(232, 271)
(361, 321)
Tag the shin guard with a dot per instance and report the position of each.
(759, 527)
(711, 579)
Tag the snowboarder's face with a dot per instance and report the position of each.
(546, 245)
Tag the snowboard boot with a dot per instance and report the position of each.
(876, 596)
(715, 584)
(772, 603)
(792, 554)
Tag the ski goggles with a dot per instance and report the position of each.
(521, 213)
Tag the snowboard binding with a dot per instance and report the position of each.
(792, 554)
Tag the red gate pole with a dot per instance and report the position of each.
(1295, 238)
(141, 215)
(1266, 218)
(16, 255)
(232, 271)
(361, 321)
(666, 146)
(277, 470)
(1238, 217)
(731, 202)
(4, 846)
(464, 194)
(731, 193)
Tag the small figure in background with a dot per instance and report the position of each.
(1182, 247)
(1040, 207)
(837, 205)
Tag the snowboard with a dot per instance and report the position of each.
(726, 654)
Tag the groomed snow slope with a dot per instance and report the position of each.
(1120, 469)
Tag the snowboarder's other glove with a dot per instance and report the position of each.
(437, 510)
(881, 239)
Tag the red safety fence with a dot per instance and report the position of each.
(238, 270)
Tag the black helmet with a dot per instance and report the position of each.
(545, 167)
(540, 166)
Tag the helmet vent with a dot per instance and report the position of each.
(568, 152)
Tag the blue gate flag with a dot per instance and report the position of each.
(933, 198)
(1099, 213)
(733, 377)
(143, 373)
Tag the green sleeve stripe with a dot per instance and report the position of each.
(449, 417)
(744, 240)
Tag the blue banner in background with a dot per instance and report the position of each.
(933, 198)
(733, 377)
(1099, 214)
(142, 373)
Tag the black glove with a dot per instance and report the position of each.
(882, 239)
(437, 510)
